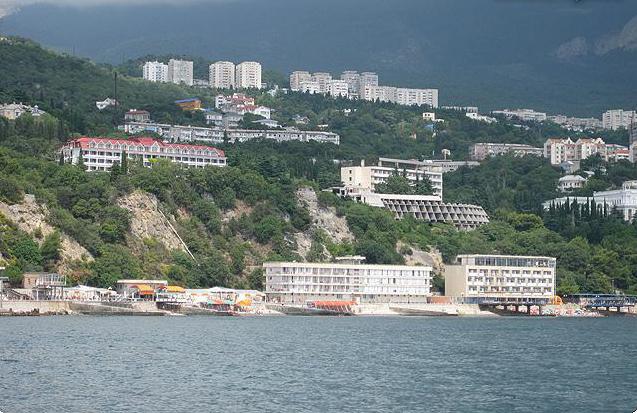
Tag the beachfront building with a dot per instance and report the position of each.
(155, 72)
(481, 151)
(477, 279)
(248, 75)
(140, 289)
(347, 279)
(623, 200)
(44, 285)
(527, 115)
(99, 154)
(367, 177)
(180, 71)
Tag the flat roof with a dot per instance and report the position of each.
(338, 265)
(503, 256)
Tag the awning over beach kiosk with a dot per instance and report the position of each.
(144, 289)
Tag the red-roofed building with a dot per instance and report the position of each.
(135, 115)
(99, 154)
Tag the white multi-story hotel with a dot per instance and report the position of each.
(180, 71)
(156, 72)
(623, 200)
(222, 75)
(248, 75)
(527, 115)
(367, 177)
(560, 150)
(99, 154)
(477, 279)
(347, 279)
(618, 118)
(298, 77)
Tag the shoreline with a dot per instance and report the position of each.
(32, 308)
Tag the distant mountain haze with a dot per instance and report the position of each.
(574, 57)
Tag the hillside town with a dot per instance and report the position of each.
(410, 190)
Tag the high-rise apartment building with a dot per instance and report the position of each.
(156, 72)
(180, 71)
(618, 118)
(352, 78)
(323, 79)
(297, 78)
(248, 75)
(222, 75)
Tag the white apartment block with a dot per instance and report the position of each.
(367, 177)
(222, 75)
(527, 115)
(401, 96)
(180, 71)
(419, 97)
(248, 75)
(618, 118)
(156, 72)
(323, 79)
(367, 79)
(478, 279)
(338, 88)
(624, 200)
(310, 86)
(217, 135)
(347, 279)
(352, 78)
(483, 150)
(559, 150)
(298, 77)
(99, 154)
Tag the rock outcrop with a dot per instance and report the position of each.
(147, 221)
(30, 217)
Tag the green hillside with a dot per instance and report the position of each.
(234, 218)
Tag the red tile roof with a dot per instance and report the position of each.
(84, 142)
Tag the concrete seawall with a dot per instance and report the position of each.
(27, 307)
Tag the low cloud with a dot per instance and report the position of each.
(626, 39)
(11, 6)
(572, 49)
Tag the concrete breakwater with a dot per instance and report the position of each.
(36, 307)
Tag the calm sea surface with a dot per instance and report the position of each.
(316, 364)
